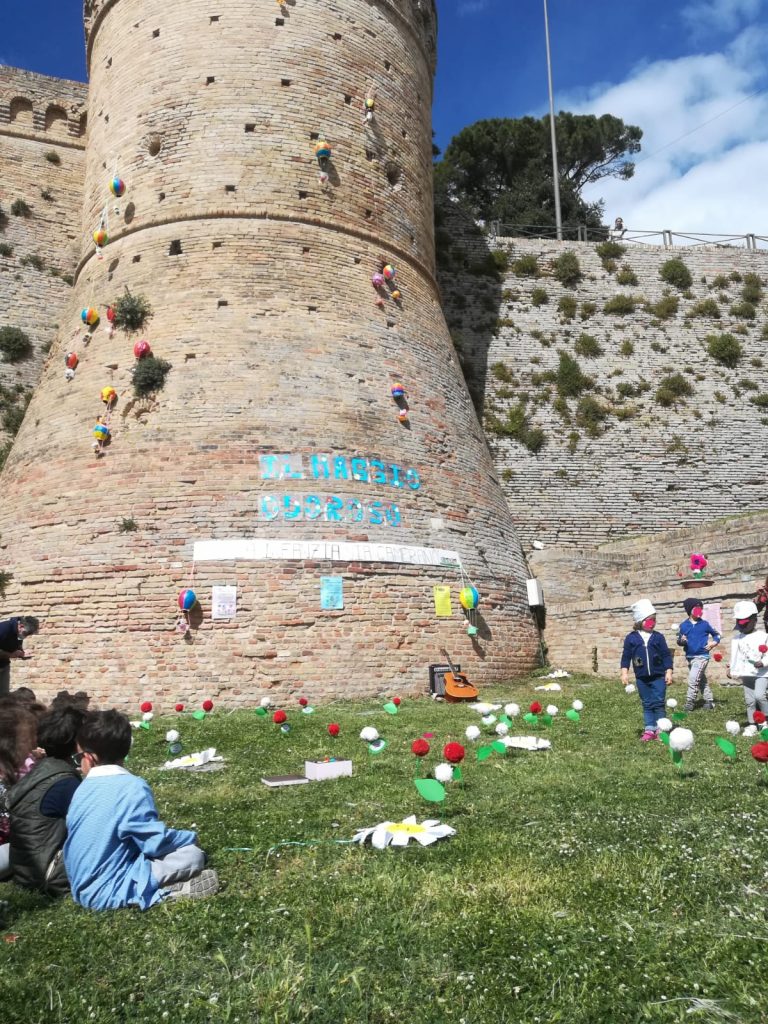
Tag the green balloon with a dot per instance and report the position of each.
(483, 753)
(726, 746)
(390, 708)
(431, 790)
(572, 715)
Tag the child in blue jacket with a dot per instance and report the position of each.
(647, 652)
(698, 638)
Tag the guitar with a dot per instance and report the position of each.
(457, 686)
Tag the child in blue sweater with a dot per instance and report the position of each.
(698, 638)
(648, 654)
(118, 853)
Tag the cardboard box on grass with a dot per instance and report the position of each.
(320, 770)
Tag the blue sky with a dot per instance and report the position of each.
(667, 65)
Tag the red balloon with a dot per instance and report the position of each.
(279, 717)
(141, 349)
(71, 360)
(110, 314)
(146, 706)
(333, 729)
(207, 705)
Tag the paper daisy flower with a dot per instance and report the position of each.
(148, 716)
(443, 772)
(472, 732)
(630, 688)
(750, 730)
(265, 702)
(665, 724)
(680, 740)
(578, 705)
(502, 729)
(732, 728)
(369, 734)
(399, 833)
(172, 736)
(671, 702)
(512, 710)
(552, 709)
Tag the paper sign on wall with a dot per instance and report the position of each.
(442, 602)
(713, 615)
(331, 592)
(223, 602)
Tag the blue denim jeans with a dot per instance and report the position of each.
(652, 695)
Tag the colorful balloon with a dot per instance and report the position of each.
(108, 395)
(322, 151)
(187, 599)
(397, 294)
(71, 360)
(141, 349)
(100, 237)
(398, 391)
(101, 432)
(89, 316)
(117, 187)
(468, 598)
(377, 280)
(389, 272)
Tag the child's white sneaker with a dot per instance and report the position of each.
(197, 888)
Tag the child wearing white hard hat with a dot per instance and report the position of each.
(749, 659)
(648, 654)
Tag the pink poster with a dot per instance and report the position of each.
(713, 616)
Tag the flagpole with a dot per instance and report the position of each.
(555, 171)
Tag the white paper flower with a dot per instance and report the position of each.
(750, 730)
(369, 734)
(489, 719)
(671, 702)
(665, 724)
(472, 732)
(483, 708)
(443, 772)
(578, 705)
(265, 702)
(172, 736)
(732, 728)
(399, 833)
(629, 688)
(552, 709)
(680, 739)
(502, 729)
(512, 710)
(135, 725)
(147, 716)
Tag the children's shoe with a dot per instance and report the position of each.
(688, 708)
(648, 735)
(710, 706)
(197, 888)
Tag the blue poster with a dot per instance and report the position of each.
(331, 592)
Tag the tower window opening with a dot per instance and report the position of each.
(156, 33)
(175, 248)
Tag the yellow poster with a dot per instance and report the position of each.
(442, 602)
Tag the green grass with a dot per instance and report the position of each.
(594, 883)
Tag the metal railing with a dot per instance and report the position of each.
(664, 238)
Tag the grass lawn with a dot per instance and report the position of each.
(592, 883)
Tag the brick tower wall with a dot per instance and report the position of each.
(259, 276)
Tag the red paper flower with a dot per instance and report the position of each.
(762, 648)
(420, 748)
(535, 708)
(760, 752)
(279, 717)
(207, 705)
(303, 701)
(453, 752)
(146, 706)
(396, 701)
(718, 655)
(758, 718)
(179, 707)
(333, 729)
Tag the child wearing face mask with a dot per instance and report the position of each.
(698, 638)
(749, 658)
(648, 654)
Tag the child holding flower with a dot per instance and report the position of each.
(749, 660)
(648, 654)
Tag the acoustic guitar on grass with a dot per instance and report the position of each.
(457, 686)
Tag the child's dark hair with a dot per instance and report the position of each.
(18, 730)
(57, 731)
(107, 734)
(24, 695)
(64, 699)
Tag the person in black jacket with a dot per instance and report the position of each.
(38, 805)
(648, 653)
(12, 634)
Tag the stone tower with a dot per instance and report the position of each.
(275, 454)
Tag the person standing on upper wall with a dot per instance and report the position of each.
(13, 632)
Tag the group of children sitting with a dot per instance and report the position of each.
(647, 652)
(73, 817)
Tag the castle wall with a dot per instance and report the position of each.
(42, 144)
(281, 374)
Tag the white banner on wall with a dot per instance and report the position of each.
(320, 550)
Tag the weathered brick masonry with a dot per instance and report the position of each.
(259, 277)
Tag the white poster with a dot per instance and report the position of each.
(223, 602)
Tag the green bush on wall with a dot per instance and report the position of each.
(14, 344)
(676, 273)
(725, 349)
(149, 375)
(566, 269)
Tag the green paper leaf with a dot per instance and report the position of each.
(677, 756)
(199, 715)
(483, 753)
(144, 725)
(261, 712)
(764, 733)
(505, 720)
(390, 708)
(546, 719)
(430, 789)
(572, 715)
(457, 776)
(726, 746)
(530, 718)
(664, 737)
(679, 716)
(499, 747)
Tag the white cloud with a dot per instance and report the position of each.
(468, 7)
(705, 146)
(720, 15)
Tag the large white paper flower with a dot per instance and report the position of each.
(399, 833)
(147, 716)
(732, 728)
(750, 730)
(512, 710)
(472, 732)
(489, 719)
(265, 702)
(630, 688)
(665, 724)
(671, 702)
(172, 736)
(578, 705)
(552, 709)
(443, 772)
(680, 739)
(484, 708)
(526, 742)
(369, 734)
(502, 729)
